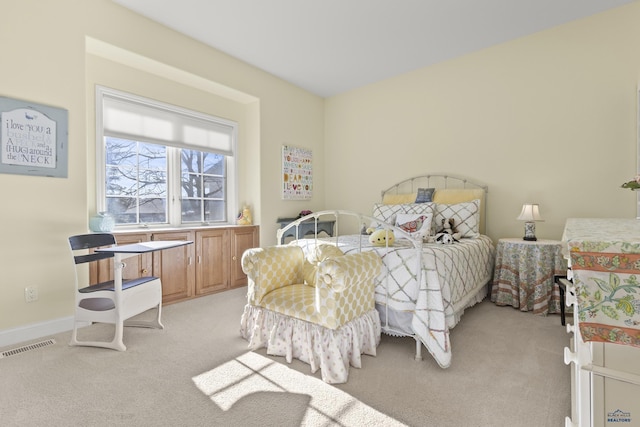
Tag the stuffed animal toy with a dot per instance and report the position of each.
(244, 217)
(375, 225)
(448, 233)
(382, 238)
(370, 230)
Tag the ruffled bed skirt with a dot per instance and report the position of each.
(331, 351)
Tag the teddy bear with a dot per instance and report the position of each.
(448, 233)
(382, 237)
(244, 217)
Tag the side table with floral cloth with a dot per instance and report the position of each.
(524, 273)
(605, 260)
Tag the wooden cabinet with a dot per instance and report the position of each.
(219, 252)
(242, 238)
(212, 268)
(175, 267)
(210, 264)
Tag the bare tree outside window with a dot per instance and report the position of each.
(203, 186)
(163, 164)
(136, 183)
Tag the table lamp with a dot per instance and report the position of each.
(530, 214)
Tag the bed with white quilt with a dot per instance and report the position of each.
(425, 286)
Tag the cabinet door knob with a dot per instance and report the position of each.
(144, 270)
(234, 258)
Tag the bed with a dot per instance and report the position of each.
(425, 287)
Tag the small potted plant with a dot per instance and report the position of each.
(633, 185)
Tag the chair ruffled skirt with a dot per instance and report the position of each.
(330, 350)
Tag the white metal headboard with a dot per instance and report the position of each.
(441, 181)
(436, 180)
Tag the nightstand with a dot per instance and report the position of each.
(524, 275)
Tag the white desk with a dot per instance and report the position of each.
(139, 298)
(144, 247)
(121, 252)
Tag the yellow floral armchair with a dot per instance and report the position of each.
(319, 309)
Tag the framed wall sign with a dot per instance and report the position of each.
(33, 138)
(297, 173)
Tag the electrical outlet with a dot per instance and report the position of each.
(31, 293)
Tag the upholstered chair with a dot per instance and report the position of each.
(317, 308)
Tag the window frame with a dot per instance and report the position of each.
(174, 191)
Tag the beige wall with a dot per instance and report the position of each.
(549, 119)
(44, 49)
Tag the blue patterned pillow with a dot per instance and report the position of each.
(425, 195)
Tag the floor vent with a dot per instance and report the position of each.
(26, 348)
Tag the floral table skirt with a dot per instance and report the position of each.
(524, 273)
(605, 259)
(608, 294)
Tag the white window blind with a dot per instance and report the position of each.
(132, 118)
(195, 179)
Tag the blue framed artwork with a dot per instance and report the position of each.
(33, 138)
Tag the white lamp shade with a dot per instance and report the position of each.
(530, 212)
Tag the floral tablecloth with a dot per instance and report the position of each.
(523, 275)
(605, 259)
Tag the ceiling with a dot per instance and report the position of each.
(331, 46)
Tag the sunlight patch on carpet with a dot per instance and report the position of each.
(252, 373)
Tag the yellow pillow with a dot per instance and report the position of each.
(321, 252)
(399, 199)
(325, 251)
(309, 270)
(451, 196)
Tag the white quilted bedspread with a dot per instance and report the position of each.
(449, 281)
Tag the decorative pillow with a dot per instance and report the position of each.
(387, 213)
(466, 216)
(398, 199)
(452, 196)
(326, 251)
(425, 195)
(321, 253)
(418, 208)
(309, 270)
(417, 225)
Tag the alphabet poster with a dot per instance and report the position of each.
(297, 173)
(33, 139)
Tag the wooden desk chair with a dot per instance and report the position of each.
(106, 303)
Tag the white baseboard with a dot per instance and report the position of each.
(34, 331)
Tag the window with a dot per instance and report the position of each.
(203, 184)
(136, 181)
(159, 164)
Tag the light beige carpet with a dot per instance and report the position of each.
(507, 370)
